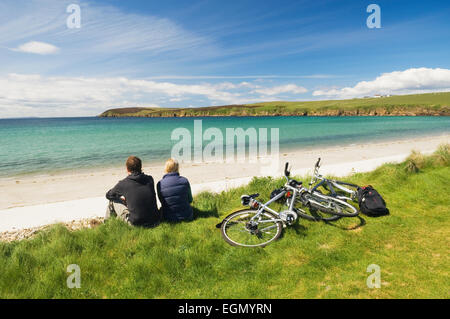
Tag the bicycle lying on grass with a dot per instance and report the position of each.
(335, 187)
(260, 225)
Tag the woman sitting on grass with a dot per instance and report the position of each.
(174, 193)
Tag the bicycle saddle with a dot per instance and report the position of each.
(245, 199)
(295, 183)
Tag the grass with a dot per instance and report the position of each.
(415, 104)
(311, 260)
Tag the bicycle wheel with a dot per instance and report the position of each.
(312, 213)
(238, 228)
(332, 205)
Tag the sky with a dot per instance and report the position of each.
(193, 53)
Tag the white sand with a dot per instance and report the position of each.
(32, 201)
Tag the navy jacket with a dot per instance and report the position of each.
(139, 193)
(174, 193)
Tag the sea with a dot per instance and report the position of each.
(47, 145)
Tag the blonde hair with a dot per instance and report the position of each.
(172, 166)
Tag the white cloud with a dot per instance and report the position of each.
(35, 95)
(288, 88)
(37, 48)
(258, 77)
(410, 81)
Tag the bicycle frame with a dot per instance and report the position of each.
(265, 206)
(332, 184)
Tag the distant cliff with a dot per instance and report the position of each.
(430, 104)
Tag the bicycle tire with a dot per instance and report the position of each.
(249, 212)
(339, 206)
(314, 215)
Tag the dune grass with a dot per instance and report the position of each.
(310, 260)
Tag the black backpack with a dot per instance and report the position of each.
(370, 202)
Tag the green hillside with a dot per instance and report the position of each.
(418, 104)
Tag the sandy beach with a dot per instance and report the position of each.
(30, 201)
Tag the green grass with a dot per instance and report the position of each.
(415, 104)
(311, 260)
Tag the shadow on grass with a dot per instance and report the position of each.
(299, 229)
(361, 223)
(199, 213)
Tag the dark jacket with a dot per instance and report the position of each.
(139, 193)
(174, 193)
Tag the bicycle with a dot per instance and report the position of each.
(333, 186)
(260, 225)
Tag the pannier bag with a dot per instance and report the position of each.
(370, 202)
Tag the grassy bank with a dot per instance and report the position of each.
(311, 260)
(416, 104)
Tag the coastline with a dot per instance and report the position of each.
(56, 153)
(32, 201)
(431, 104)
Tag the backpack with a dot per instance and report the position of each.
(370, 202)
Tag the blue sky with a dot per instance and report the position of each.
(200, 53)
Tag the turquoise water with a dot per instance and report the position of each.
(53, 144)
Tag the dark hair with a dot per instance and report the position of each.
(134, 164)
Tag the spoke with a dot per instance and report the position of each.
(268, 228)
(236, 229)
(242, 230)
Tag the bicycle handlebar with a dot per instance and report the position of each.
(286, 172)
(318, 162)
(316, 173)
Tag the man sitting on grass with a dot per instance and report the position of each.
(133, 199)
